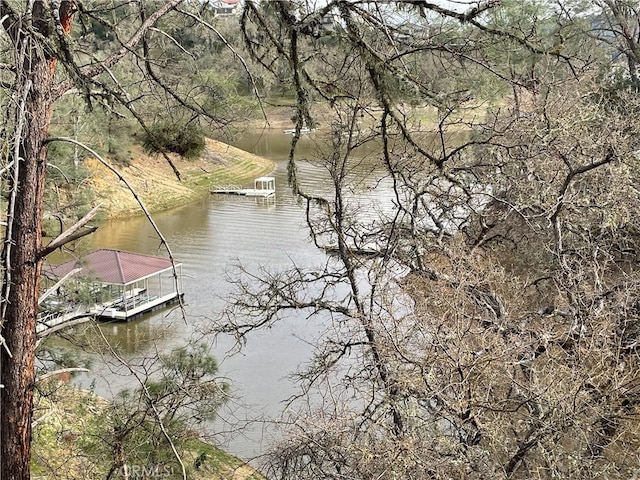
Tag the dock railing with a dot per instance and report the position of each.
(47, 320)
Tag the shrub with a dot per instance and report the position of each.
(184, 139)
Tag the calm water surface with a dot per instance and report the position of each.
(210, 237)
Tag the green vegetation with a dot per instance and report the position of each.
(71, 427)
(187, 140)
(79, 435)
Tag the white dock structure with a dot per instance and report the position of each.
(303, 131)
(52, 320)
(262, 187)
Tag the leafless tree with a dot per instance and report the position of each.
(480, 288)
(616, 25)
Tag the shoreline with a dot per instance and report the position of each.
(155, 183)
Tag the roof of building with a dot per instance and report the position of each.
(114, 266)
(226, 5)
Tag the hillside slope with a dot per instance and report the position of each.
(72, 440)
(154, 182)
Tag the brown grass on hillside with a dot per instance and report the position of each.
(153, 180)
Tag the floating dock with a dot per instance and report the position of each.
(127, 309)
(303, 131)
(262, 187)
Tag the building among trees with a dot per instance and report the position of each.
(225, 7)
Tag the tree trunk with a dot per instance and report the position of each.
(36, 79)
(19, 330)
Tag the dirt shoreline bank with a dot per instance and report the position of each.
(155, 183)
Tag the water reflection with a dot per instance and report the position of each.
(210, 237)
(141, 335)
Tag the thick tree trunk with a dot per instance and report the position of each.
(35, 77)
(18, 374)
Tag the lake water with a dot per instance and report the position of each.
(209, 238)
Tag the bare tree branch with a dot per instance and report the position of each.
(138, 199)
(71, 233)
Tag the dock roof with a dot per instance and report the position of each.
(114, 266)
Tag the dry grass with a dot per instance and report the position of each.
(153, 180)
